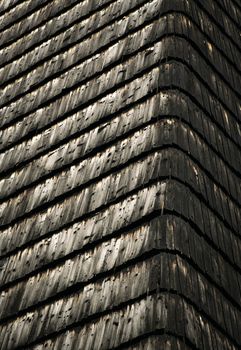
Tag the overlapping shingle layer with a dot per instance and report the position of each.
(120, 174)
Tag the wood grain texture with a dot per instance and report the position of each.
(120, 174)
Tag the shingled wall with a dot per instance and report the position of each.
(120, 173)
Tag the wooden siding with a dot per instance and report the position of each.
(120, 173)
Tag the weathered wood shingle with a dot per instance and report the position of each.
(120, 174)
